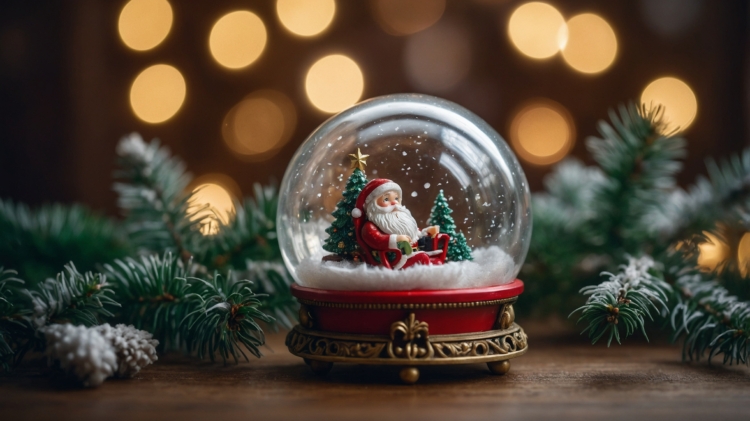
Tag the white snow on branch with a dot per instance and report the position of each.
(491, 266)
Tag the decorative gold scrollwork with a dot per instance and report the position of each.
(410, 339)
(305, 317)
(303, 344)
(506, 317)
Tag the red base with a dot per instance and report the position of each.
(373, 312)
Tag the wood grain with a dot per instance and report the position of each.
(559, 378)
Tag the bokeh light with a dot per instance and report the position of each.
(219, 192)
(542, 132)
(237, 39)
(713, 252)
(260, 124)
(157, 93)
(144, 24)
(537, 30)
(743, 255)
(592, 44)
(679, 101)
(405, 17)
(438, 59)
(334, 82)
(306, 17)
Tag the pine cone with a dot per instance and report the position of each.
(79, 351)
(134, 348)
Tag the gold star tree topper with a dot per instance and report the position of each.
(358, 160)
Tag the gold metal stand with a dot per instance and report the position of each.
(410, 345)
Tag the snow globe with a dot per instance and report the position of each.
(404, 221)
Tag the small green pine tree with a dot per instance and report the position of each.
(440, 215)
(341, 238)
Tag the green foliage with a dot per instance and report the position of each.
(152, 195)
(224, 316)
(440, 215)
(711, 320)
(186, 312)
(624, 301)
(71, 297)
(633, 206)
(37, 243)
(9, 322)
(341, 237)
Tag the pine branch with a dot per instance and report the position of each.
(224, 316)
(39, 242)
(711, 320)
(639, 164)
(183, 311)
(159, 215)
(8, 315)
(624, 301)
(249, 235)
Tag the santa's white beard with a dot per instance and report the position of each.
(393, 220)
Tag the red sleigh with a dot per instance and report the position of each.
(394, 258)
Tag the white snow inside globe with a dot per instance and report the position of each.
(404, 192)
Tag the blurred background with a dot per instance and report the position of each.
(234, 87)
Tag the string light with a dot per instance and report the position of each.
(712, 252)
(592, 44)
(237, 39)
(743, 255)
(143, 24)
(157, 93)
(679, 101)
(405, 17)
(259, 124)
(218, 191)
(537, 29)
(306, 17)
(542, 132)
(333, 83)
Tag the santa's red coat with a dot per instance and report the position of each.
(376, 239)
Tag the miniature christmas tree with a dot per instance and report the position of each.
(440, 215)
(341, 239)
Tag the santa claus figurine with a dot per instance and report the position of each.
(388, 234)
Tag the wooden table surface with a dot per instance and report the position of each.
(560, 377)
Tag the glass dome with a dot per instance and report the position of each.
(425, 144)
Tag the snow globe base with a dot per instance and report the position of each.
(408, 328)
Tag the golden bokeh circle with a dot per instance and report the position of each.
(144, 24)
(237, 39)
(157, 93)
(677, 98)
(542, 132)
(405, 17)
(306, 17)
(334, 83)
(592, 44)
(260, 124)
(537, 29)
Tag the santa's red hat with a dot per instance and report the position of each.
(373, 190)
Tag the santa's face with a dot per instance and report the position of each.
(391, 217)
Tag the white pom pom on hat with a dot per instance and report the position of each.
(356, 213)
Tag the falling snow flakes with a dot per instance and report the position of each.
(427, 185)
(404, 153)
(414, 194)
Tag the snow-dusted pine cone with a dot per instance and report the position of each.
(135, 348)
(82, 352)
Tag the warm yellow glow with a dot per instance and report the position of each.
(306, 17)
(713, 252)
(404, 17)
(259, 124)
(216, 194)
(680, 104)
(542, 132)
(743, 255)
(592, 44)
(334, 82)
(237, 39)
(157, 93)
(537, 30)
(144, 24)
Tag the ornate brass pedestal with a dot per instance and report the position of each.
(410, 345)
